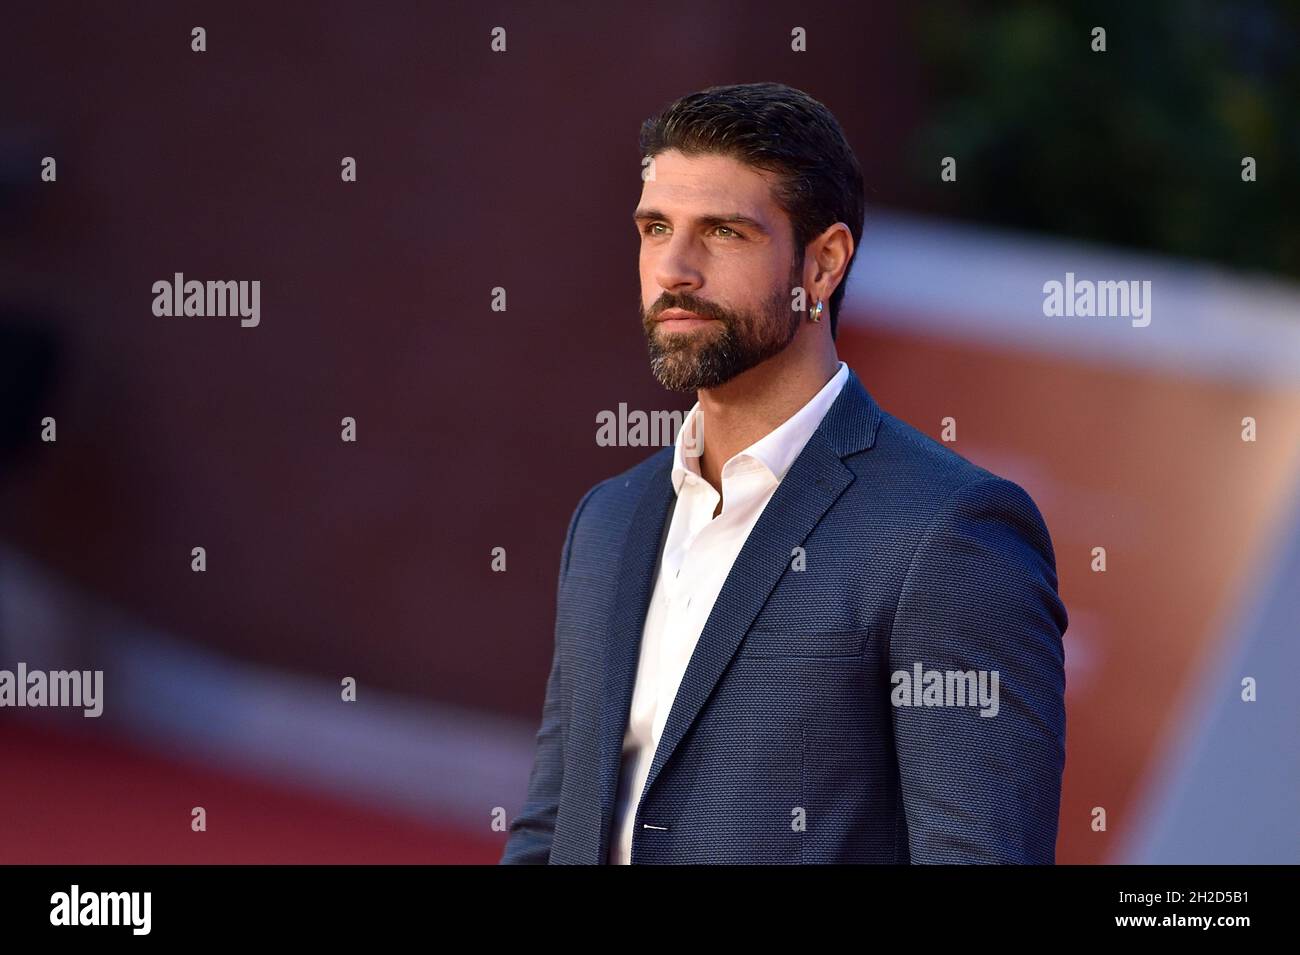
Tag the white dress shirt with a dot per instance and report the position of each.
(697, 558)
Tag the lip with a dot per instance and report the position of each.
(680, 320)
(678, 314)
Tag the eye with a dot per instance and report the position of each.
(650, 228)
(733, 234)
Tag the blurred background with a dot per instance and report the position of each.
(476, 428)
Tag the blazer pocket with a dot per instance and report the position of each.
(811, 644)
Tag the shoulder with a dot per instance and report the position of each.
(927, 469)
(617, 496)
(912, 474)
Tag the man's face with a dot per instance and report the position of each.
(714, 244)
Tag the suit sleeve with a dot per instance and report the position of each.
(981, 595)
(532, 830)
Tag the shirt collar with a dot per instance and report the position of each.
(777, 450)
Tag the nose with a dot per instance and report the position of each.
(676, 269)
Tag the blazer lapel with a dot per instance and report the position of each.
(636, 577)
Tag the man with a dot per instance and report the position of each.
(807, 632)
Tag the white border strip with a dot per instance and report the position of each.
(976, 283)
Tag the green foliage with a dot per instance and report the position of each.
(1141, 145)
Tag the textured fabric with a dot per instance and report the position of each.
(782, 744)
(698, 555)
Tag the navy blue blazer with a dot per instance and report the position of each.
(790, 739)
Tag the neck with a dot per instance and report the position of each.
(758, 401)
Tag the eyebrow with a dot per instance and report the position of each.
(645, 215)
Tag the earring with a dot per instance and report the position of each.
(817, 312)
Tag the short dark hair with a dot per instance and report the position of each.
(780, 129)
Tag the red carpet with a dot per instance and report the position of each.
(72, 799)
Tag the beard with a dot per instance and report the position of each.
(711, 355)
